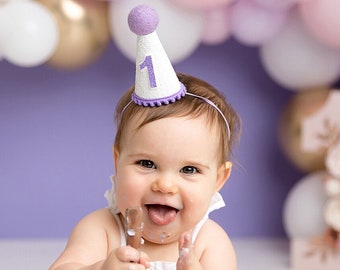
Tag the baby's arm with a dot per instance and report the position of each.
(213, 250)
(88, 246)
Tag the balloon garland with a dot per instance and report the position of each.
(71, 34)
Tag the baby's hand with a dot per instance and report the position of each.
(126, 258)
(187, 259)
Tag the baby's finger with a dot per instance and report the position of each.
(187, 259)
(185, 251)
(128, 254)
(144, 259)
(184, 241)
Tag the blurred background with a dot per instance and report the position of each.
(65, 63)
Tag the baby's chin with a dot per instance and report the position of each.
(159, 237)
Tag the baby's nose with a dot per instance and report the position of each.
(165, 183)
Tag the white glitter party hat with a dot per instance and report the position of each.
(156, 82)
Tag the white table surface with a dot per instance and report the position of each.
(38, 254)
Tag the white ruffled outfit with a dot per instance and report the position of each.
(216, 203)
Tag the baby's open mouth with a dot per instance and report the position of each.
(161, 214)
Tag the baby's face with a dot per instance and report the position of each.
(170, 168)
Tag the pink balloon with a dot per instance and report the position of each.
(302, 1)
(322, 19)
(216, 28)
(254, 25)
(276, 4)
(201, 4)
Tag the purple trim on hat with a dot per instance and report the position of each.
(159, 101)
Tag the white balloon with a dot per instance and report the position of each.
(297, 61)
(2, 2)
(303, 208)
(28, 33)
(179, 30)
(1, 35)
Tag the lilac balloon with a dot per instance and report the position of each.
(254, 25)
(200, 4)
(276, 5)
(217, 26)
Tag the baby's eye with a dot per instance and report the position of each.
(147, 164)
(189, 170)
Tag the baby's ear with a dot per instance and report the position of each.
(223, 174)
(115, 153)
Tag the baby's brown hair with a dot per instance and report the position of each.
(186, 106)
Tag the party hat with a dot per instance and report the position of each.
(156, 82)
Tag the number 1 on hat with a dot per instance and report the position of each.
(147, 63)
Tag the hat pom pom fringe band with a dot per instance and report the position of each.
(159, 101)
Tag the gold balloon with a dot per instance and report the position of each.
(83, 30)
(300, 106)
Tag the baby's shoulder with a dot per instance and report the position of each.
(212, 234)
(91, 239)
(98, 218)
(215, 247)
(211, 227)
(100, 221)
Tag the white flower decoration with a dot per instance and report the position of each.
(332, 186)
(332, 213)
(110, 196)
(333, 160)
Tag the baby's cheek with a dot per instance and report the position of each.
(127, 193)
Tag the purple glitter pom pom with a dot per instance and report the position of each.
(143, 20)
